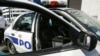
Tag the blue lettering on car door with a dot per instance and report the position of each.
(21, 42)
(25, 43)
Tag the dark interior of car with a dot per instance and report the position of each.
(52, 33)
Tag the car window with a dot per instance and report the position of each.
(90, 23)
(24, 23)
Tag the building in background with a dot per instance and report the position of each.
(11, 13)
(75, 4)
(92, 8)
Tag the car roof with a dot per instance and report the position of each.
(28, 5)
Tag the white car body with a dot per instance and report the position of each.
(28, 41)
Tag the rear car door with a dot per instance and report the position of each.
(21, 31)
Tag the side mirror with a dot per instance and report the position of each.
(87, 40)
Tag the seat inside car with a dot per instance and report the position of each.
(51, 29)
(46, 33)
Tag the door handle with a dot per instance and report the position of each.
(12, 34)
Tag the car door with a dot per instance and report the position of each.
(53, 33)
(22, 31)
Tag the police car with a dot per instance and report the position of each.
(48, 29)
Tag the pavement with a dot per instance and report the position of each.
(3, 50)
(79, 52)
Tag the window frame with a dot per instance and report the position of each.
(19, 20)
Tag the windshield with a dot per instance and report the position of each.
(87, 21)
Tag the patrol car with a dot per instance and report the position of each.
(53, 28)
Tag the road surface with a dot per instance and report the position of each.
(3, 50)
(78, 52)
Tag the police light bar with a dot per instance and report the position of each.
(52, 3)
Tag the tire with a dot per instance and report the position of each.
(11, 47)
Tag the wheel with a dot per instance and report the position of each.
(11, 47)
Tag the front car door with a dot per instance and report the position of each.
(22, 30)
